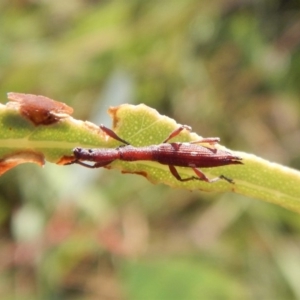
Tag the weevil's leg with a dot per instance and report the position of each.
(84, 164)
(203, 177)
(94, 166)
(112, 134)
(200, 176)
(177, 131)
(210, 140)
(178, 177)
(226, 178)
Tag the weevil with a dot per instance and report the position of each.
(173, 155)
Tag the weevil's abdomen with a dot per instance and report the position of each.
(192, 155)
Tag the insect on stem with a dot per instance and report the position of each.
(176, 154)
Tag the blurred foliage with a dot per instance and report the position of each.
(227, 68)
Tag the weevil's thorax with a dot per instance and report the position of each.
(131, 153)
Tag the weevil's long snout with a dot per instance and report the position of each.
(96, 155)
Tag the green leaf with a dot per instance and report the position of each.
(22, 140)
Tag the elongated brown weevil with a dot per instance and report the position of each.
(174, 155)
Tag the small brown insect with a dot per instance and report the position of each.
(40, 109)
(174, 155)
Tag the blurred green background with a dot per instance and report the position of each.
(227, 68)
